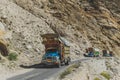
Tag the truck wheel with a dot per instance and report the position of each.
(59, 65)
(67, 63)
(63, 63)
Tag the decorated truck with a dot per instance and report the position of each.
(57, 52)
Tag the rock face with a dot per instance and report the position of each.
(93, 68)
(25, 29)
(84, 23)
(96, 66)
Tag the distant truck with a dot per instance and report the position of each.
(56, 51)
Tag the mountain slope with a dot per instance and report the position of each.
(24, 29)
(86, 23)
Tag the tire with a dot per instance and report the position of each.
(63, 63)
(59, 65)
(67, 63)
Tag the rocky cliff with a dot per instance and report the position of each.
(95, 69)
(84, 23)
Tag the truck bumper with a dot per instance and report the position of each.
(50, 63)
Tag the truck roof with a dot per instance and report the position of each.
(59, 38)
(64, 41)
(51, 35)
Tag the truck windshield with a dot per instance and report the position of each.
(49, 57)
(51, 50)
(54, 58)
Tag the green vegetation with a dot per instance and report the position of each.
(96, 78)
(76, 65)
(69, 70)
(12, 56)
(106, 75)
(66, 72)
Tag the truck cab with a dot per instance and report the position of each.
(51, 57)
(56, 51)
